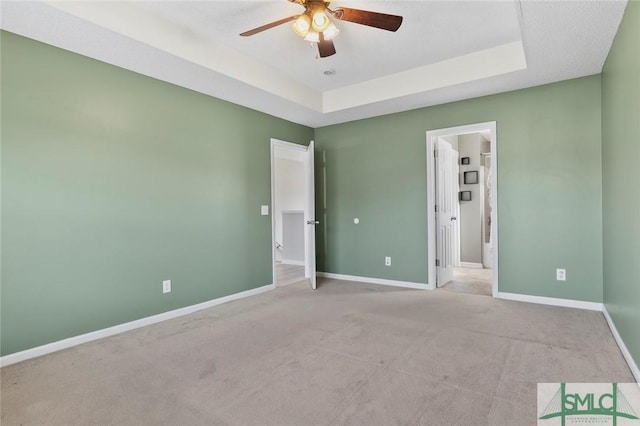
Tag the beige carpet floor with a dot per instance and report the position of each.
(345, 354)
(288, 274)
(471, 280)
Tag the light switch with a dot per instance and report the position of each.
(264, 210)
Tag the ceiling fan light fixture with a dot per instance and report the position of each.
(313, 36)
(302, 25)
(320, 21)
(331, 32)
(315, 24)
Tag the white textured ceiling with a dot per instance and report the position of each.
(443, 52)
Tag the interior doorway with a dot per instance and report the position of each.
(462, 202)
(293, 222)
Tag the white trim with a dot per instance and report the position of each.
(431, 202)
(552, 301)
(431, 222)
(473, 265)
(635, 370)
(127, 326)
(292, 262)
(310, 216)
(393, 283)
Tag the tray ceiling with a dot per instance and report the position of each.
(444, 51)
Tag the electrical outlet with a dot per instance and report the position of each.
(387, 261)
(166, 286)
(561, 274)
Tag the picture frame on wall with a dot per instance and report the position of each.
(465, 160)
(465, 195)
(470, 177)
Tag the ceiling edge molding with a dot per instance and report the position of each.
(486, 63)
(126, 19)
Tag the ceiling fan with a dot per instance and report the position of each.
(315, 25)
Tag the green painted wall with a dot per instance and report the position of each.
(112, 182)
(621, 179)
(549, 183)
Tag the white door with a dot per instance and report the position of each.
(455, 164)
(446, 202)
(310, 220)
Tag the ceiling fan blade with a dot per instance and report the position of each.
(326, 47)
(269, 25)
(371, 19)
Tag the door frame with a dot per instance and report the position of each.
(286, 145)
(431, 137)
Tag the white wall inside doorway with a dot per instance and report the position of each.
(289, 197)
(472, 212)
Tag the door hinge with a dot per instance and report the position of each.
(436, 208)
(435, 153)
(437, 262)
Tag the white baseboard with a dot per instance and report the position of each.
(567, 303)
(623, 348)
(121, 328)
(406, 284)
(471, 265)
(292, 262)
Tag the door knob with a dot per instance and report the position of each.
(313, 222)
(454, 218)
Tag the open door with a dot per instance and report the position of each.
(455, 164)
(446, 202)
(443, 249)
(301, 202)
(310, 219)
